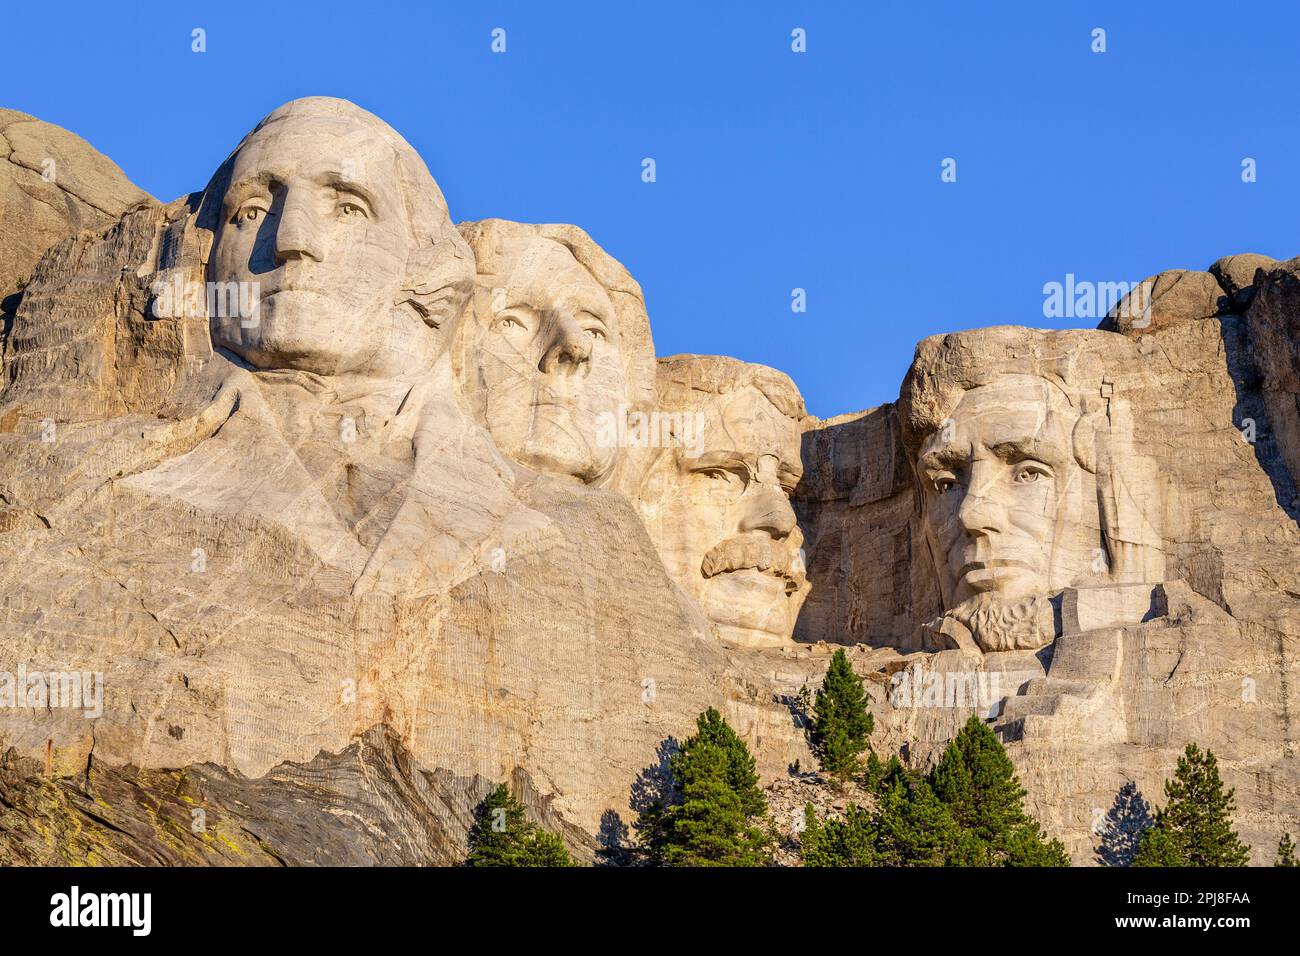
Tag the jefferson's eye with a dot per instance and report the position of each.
(597, 334)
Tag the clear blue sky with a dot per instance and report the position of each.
(775, 170)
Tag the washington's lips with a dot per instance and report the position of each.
(757, 554)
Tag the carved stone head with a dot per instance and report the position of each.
(561, 348)
(717, 501)
(1028, 478)
(335, 223)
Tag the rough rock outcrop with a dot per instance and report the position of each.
(52, 184)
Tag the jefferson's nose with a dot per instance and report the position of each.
(570, 350)
(768, 510)
(297, 236)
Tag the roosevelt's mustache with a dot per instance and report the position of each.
(761, 554)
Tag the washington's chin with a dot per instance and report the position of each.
(298, 330)
(753, 608)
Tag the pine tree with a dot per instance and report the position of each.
(841, 721)
(977, 783)
(1195, 825)
(846, 842)
(502, 836)
(1285, 851)
(1158, 848)
(913, 827)
(716, 814)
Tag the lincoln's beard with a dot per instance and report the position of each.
(999, 624)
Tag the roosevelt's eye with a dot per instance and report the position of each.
(1029, 472)
(508, 323)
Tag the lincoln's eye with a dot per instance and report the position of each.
(944, 483)
(1028, 474)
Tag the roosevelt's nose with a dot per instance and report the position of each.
(569, 352)
(768, 510)
(297, 235)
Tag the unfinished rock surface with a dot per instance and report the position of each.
(310, 498)
(52, 184)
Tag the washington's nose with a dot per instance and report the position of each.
(570, 350)
(296, 236)
(768, 511)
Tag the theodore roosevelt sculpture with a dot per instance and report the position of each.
(717, 503)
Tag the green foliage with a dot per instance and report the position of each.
(1195, 826)
(502, 836)
(913, 828)
(1158, 848)
(841, 721)
(977, 782)
(847, 842)
(1285, 851)
(716, 814)
(967, 812)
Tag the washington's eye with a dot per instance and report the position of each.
(250, 212)
(351, 210)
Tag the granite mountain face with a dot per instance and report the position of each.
(351, 511)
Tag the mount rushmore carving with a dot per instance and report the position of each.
(296, 461)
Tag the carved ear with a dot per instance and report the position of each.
(1090, 426)
(439, 281)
